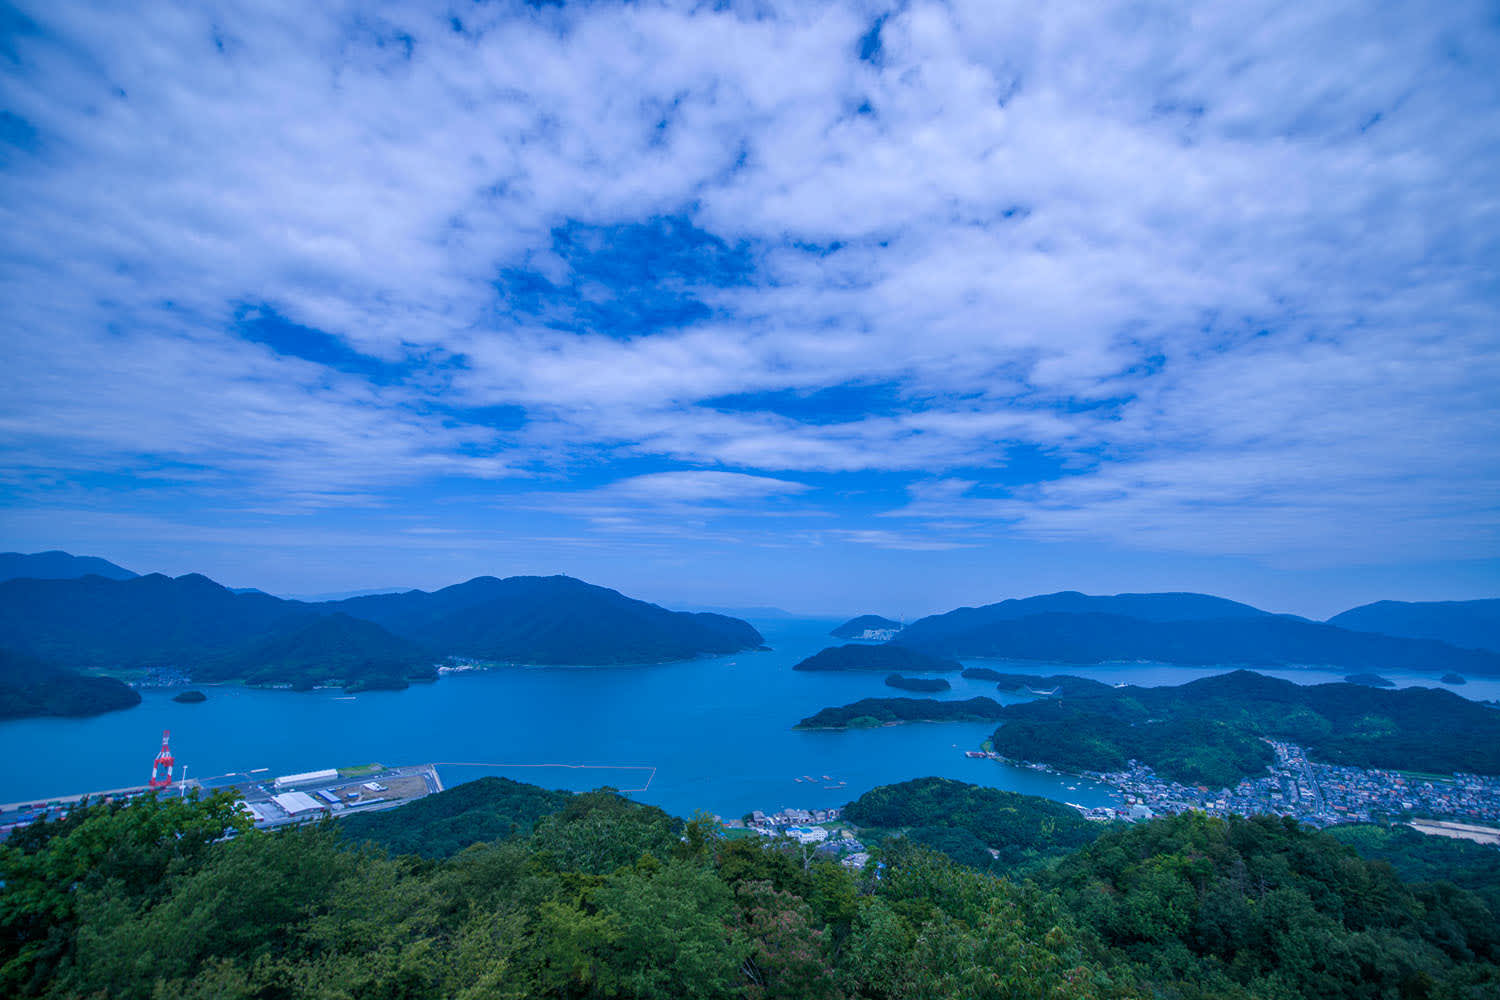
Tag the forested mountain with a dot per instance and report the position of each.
(29, 686)
(215, 633)
(1210, 731)
(1258, 639)
(552, 619)
(146, 621)
(1471, 624)
(57, 565)
(606, 898)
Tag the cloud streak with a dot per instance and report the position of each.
(1187, 278)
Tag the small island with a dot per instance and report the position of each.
(1453, 679)
(927, 685)
(190, 697)
(871, 712)
(1369, 680)
(869, 627)
(887, 658)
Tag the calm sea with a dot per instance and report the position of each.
(717, 732)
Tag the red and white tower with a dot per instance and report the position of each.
(165, 760)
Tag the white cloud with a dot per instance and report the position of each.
(1234, 267)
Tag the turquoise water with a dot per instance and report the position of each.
(717, 732)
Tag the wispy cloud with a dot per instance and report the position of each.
(1197, 278)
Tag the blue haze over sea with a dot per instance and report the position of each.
(718, 731)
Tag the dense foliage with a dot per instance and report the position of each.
(861, 656)
(889, 711)
(1209, 731)
(1261, 907)
(214, 633)
(604, 898)
(924, 684)
(28, 687)
(984, 828)
(1419, 857)
(439, 826)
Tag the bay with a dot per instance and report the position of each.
(713, 734)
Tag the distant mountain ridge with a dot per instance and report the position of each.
(1471, 624)
(376, 641)
(1173, 628)
(58, 565)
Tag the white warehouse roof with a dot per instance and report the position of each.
(307, 778)
(296, 802)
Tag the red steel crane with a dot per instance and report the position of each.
(164, 759)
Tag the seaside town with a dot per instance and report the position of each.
(1318, 794)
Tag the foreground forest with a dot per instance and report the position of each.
(595, 896)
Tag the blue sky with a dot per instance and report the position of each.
(846, 307)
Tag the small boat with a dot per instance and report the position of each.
(827, 778)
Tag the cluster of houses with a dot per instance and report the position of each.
(810, 828)
(1320, 794)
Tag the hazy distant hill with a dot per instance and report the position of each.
(145, 621)
(1473, 624)
(29, 687)
(217, 634)
(1180, 629)
(857, 628)
(551, 620)
(1170, 607)
(57, 565)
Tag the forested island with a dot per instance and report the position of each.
(1210, 731)
(857, 656)
(1369, 680)
(128, 624)
(869, 712)
(927, 685)
(551, 895)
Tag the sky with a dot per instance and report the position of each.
(837, 307)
